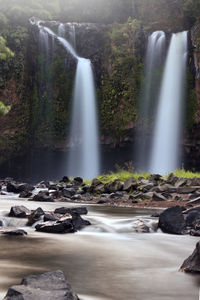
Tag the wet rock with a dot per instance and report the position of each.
(142, 229)
(130, 185)
(172, 179)
(172, 220)
(95, 182)
(51, 217)
(19, 212)
(60, 226)
(102, 201)
(65, 179)
(146, 187)
(158, 197)
(193, 196)
(114, 186)
(68, 192)
(156, 215)
(74, 210)
(181, 182)
(116, 195)
(1, 223)
(192, 263)
(16, 232)
(187, 189)
(47, 286)
(78, 181)
(155, 178)
(42, 196)
(25, 194)
(194, 201)
(79, 222)
(192, 218)
(35, 216)
(194, 232)
(18, 188)
(99, 189)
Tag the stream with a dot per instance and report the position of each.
(105, 261)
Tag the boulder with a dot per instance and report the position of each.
(172, 220)
(79, 222)
(192, 218)
(130, 185)
(78, 181)
(35, 216)
(95, 182)
(68, 192)
(18, 188)
(75, 210)
(65, 179)
(158, 197)
(60, 226)
(19, 212)
(194, 232)
(187, 189)
(42, 196)
(47, 286)
(192, 263)
(114, 186)
(51, 217)
(16, 232)
(25, 194)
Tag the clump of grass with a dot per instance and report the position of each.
(186, 174)
(122, 175)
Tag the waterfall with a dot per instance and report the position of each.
(168, 126)
(83, 157)
(153, 65)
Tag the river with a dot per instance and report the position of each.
(105, 261)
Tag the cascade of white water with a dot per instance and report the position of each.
(61, 30)
(153, 61)
(84, 154)
(165, 147)
(84, 125)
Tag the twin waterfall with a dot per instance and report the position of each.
(163, 148)
(161, 103)
(83, 157)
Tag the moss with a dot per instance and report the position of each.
(120, 79)
(191, 104)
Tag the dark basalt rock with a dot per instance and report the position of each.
(192, 263)
(68, 192)
(192, 218)
(16, 232)
(158, 197)
(60, 226)
(25, 194)
(19, 212)
(78, 181)
(18, 188)
(35, 216)
(172, 220)
(51, 217)
(47, 286)
(65, 179)
(71, 211)
(43, 196)
(79, 222)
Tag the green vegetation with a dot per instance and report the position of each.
(122, 175)
(121, 79)
(186, 174)
(4, 109)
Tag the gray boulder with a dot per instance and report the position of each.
(19, 212)
(192, 263)
(172, 220)
(47, 286)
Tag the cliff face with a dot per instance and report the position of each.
(40, 89)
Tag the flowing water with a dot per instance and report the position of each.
(167, 133)
(83, 158)
(153, 67)
(106, 261)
